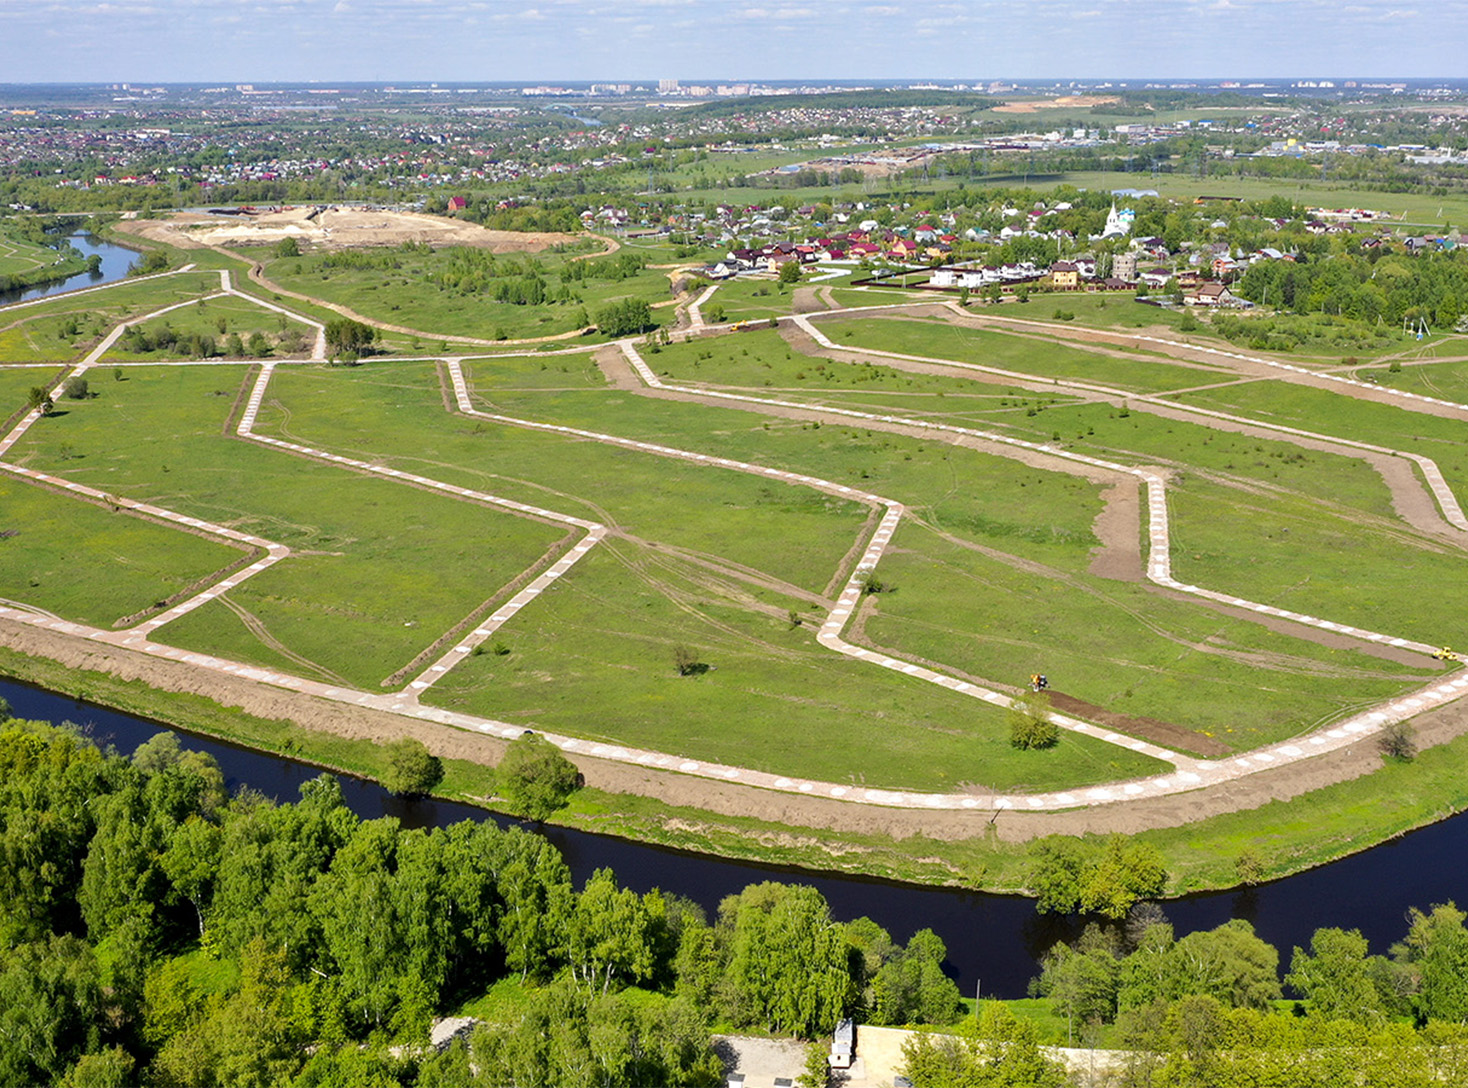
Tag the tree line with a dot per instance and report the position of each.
(154, 928)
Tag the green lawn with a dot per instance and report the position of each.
(594, 658)
(381, 569)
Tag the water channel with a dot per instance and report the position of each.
(115, 261)
(994, 941)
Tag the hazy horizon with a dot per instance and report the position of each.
(475, 41)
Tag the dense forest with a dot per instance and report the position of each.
(156, 930)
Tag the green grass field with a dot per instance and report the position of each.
(939, 339)
(381, 570)
(1117, 644)
(84, 562)
(65, 327)
(595, 659)
(1325, 412)
(217, 319)
(990, 569)
(393, 413)
(406, 295)
(21, 257)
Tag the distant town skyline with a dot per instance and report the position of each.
(706, 40)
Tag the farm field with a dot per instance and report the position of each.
(1003, 559)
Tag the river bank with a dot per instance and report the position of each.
(100, 260)
(1285, 828)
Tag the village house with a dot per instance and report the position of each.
(1064, 276)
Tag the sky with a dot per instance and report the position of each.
(229, 41)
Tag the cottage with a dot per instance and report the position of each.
(1209, 294)
(1064, 276)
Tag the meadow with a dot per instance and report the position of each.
(989, 575)
(936, 338)
(429, 292)
(380, 570)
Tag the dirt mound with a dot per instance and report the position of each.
(1163, 733)
(335, 228)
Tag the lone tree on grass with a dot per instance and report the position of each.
(685, 660)
(76, 388)
(40, 397)
(1030, 725)
(789, 272)
(411, 769)
(347, 337)
(535, 778)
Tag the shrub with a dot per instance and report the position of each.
(1398, 740)
(1030, 726)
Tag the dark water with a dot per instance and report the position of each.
(993, 940)
(115, 262)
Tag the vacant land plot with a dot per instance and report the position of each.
(213, 322)
(85, 562)
(381, 570)
(472, 293)
(1115, 645)
(940, 339)
(394, 413)
(1030, 511)
(1325, 412)
(1447, 380)
(595, 659)
(64, 327)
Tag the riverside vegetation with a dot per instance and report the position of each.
(156, 930)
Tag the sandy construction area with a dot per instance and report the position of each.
(334, 228)
(1074, 101)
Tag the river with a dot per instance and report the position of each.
(115, 262)
(994, 941)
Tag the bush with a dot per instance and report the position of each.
(1030, 726)
(1398, 740)
(412, 770)
(76, 388)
